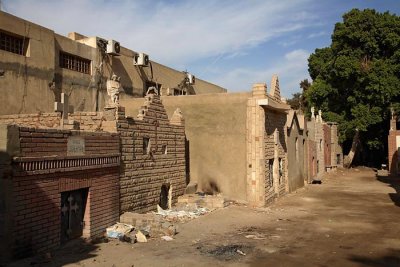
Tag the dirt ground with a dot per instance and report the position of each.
(351, 219)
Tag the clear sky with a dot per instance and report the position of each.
(231, 43)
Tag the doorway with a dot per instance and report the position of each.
(73, 205)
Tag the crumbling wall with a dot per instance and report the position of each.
(145, 169)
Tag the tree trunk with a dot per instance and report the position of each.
(348, 160)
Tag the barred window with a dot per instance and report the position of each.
(12, 43)
(72, 62)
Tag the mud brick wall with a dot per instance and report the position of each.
(275, 121)
(50, 120)
(42, 170)
(328, 145)
(47, 142)
(143, 173)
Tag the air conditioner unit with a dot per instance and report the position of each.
(141, 59)
(101, 43)
(113, 48)
(191, 79)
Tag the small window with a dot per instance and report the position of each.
(271, 172)
(180, 92)
(146, 145)
(164, 149)
(13, 43)
(75, 63)
(280, 170)
(338, 159)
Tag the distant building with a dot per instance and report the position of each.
(37, 65)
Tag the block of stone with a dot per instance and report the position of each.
(140, 237)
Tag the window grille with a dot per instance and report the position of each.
(75, 63)
(12, 43)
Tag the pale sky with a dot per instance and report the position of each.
(231, 43)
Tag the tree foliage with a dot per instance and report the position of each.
(357, 78)
(298, 102)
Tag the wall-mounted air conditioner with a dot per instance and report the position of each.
(141, 59)
(113, 48)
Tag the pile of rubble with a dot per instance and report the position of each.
(136, 227)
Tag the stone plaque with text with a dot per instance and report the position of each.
(76, 146)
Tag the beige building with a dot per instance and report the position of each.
(37, 65)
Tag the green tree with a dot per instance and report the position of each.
(357, 78)
(298, 101)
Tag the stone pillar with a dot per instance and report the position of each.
(255, 128)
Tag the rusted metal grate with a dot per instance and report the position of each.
(11, 43)
(72, 62)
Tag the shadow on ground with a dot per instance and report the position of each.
(73, 251)
(390, 259)
(392, 182)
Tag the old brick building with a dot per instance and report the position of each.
(55, 185)
(58, 184)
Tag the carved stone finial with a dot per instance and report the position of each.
(312, 112)
(275, 91)
(177, 118)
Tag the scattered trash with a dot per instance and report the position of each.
(118, 230)
(181, 215)
(240, 252)
(167, 238)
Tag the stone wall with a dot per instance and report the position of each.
(88, 121)
(49, 120)
(145, 170)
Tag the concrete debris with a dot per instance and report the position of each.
(140, 237)
(167, 238)
(118, 230)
